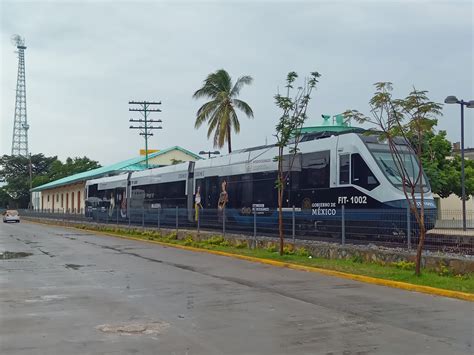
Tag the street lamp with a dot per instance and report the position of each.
(202, 152)
(468, 104)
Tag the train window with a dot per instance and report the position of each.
(361, 174)
(315, 170)
(344, 164)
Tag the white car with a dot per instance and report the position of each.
(11, 216)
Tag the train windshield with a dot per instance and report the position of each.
(391, 165)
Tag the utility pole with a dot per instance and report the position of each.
(145, 125)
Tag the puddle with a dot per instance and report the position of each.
(135, 328)
(13, 255)
(73, 266)
(69, 234)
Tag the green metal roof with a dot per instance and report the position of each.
(134, 164)
(328, 129)
(341, 125)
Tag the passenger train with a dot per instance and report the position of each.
(330, 170)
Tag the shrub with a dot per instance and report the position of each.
(302, 252)
(225, 243)
(189, 240)
(357, 259)
(288, 250)
(444, 270)
(272, 248)
(215, 240)
(240, 244)
(171, 237)
(404, 265)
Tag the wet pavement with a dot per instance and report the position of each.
(79, 293)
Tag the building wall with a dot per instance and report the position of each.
(451, 206)
(68, 199)
(167, 158)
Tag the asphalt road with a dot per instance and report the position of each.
(80, 293)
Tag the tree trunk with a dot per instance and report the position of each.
(228, 139)
(419, 249)
(280, 213)
(421, 242)
(281, 188)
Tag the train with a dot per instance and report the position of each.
(331, 171)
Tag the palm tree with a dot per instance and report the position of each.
(220, 111)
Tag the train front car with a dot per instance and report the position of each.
(373, 172)
(408, 161)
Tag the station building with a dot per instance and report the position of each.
(67, 195)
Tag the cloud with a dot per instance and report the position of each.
(86, 60)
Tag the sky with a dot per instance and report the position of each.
(86, 60)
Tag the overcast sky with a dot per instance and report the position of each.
(86, 60)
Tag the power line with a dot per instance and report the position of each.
(145, 125)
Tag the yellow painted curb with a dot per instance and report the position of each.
(367, 279)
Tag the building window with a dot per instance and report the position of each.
(48, 198)
(57, 197)
(62, 200)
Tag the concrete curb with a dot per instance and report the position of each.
(367, 279)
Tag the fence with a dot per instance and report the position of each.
(452, 219)
(389, 228)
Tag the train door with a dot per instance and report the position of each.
(211, 188)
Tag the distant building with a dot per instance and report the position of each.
(68, 194)
(468, 152)
(450, 208)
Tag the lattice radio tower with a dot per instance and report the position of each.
(20, 124)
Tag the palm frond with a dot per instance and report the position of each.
(208, 90)
(243, 106)
(222, 80)
(204, 112)
(235, 121)
(243, 80)
(214, 123)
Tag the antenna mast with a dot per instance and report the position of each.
(20, 123)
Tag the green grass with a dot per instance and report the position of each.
(397, 272)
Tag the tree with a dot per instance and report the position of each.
(4, 198)
(404, 124)
(288, 133)
(15, 171)
(443, 170)
(436, 150)
(455, 178)
(220, 111)
(72, 166)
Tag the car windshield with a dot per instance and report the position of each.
(12, 213)
(391, 167)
